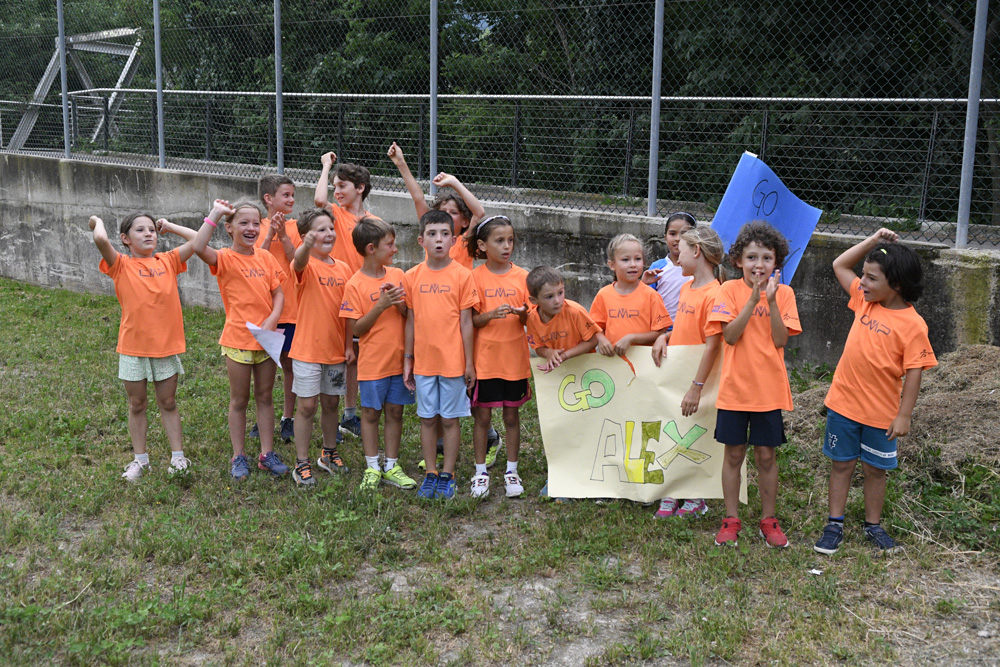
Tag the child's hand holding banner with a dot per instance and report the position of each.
(607, 435)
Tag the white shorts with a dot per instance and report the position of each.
(314, 379)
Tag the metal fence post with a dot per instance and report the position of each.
(208, 130)
(107, 121)
(279, 103)
(971, 124)
(654, 115)
(153, 140)
(628, 150)
(765, 125)
(270, 132)
(74, 124)
(158, 55)
(922, 215)
(434, 94)
(340, 131)
(420, 140)
(62, 77)
(515, 153)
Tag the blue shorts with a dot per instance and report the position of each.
(374, 393)
(289, 331)
(766, 428)
(442, 396)
(847, 440)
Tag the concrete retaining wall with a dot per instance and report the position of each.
(44, 240)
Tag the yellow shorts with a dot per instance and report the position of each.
(247, 357)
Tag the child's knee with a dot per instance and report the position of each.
(393, 412)
(137, 403)
(238, 403)
(306, 407)
(765, 457)
(844, 467)
(263, 395)
(371, 415)
(871, 472)
(166, 403)
(511, 418)
(735, 454)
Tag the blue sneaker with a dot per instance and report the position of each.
(446, 486)
(352, 425)
(829, 542)
(240, 468)
(254, 432)
(544, 495)
(287, 429)
(272, 464)
(880, 539)
(429, 486)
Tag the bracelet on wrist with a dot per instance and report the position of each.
(407, 356)
(210, 221)
(697, 384)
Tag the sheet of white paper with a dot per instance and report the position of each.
(271, 341)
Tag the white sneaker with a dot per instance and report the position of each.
(134, 470)
(513, 485)
(480, 486)
(179, 466)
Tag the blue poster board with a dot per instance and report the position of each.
(755, 193)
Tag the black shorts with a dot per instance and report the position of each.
(288, 330)
(500, 393)
(767, 429)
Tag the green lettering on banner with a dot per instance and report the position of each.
(585, 397)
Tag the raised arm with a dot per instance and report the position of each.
(300, 260)
(444, 180)
(200, 244)
(844, 265)
(395, 153)
(186, 249)
(102, 241)
(322, 195)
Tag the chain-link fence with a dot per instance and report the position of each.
(859, 107)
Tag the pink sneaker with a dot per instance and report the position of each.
(692, 507)
(668, 507)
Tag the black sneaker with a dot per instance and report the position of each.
(287, 429)
(254, 432)
(829, 542)
(882, 541)
(352, 425)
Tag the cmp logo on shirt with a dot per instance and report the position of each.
(875, 325)
(151, 272)
(253, 273)
(330, 281)
(623, 313)
(500, 293)
(434, 288)
(551, 337)
(682, 307)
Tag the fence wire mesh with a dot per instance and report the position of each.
(858, 106)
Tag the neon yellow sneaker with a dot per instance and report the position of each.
(398, 478)
(492, 448)
(370, 480)
(423, 464)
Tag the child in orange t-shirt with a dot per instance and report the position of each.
(500, 350)
(628, 311)
(151, 333)
(870, 403)
(320, 351)
(374, 309)
(352, 184)
(463, 207)
(440, 295)
(557, 328)
(277, 193)
(755, 316)
(699, 255)
(250, 285)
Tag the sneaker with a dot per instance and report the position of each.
(287, 429)
(428, 489)
(877, 537)
(271, 463)
(134, 470)
(690, 508)
(240, 468)
(370, 480)
(833, 535)
(771, 532)
(179, 466)
(303, 474)
(331, 462)
(544, 495)
(729, 533)
(513, 485)
(351, 425)
(398, 478)
(446, 486)
(492, 447)
(254, 432)
(668, 507)
(340, 436)
(480, 486)
(423, 464)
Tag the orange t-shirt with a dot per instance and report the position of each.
(570, 327)
(692, 313)
(501, 350)
(152, 324)
(380, 349)
(319, 331)
(437, 299)
(245, 283)
(343, 247)
(883, 344)
(639, 311)
(754, 377)
(277, 249)
(459, 252)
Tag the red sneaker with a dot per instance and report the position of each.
(729, 533)
(771, 532)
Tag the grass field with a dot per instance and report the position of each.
(204, 571)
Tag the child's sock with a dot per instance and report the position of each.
(349, 413)
(372, 461)
(390, 464)
(838, 520)
(511, 467)
(179, 454)
(142, 458)
(872, 525)
(481, 469)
